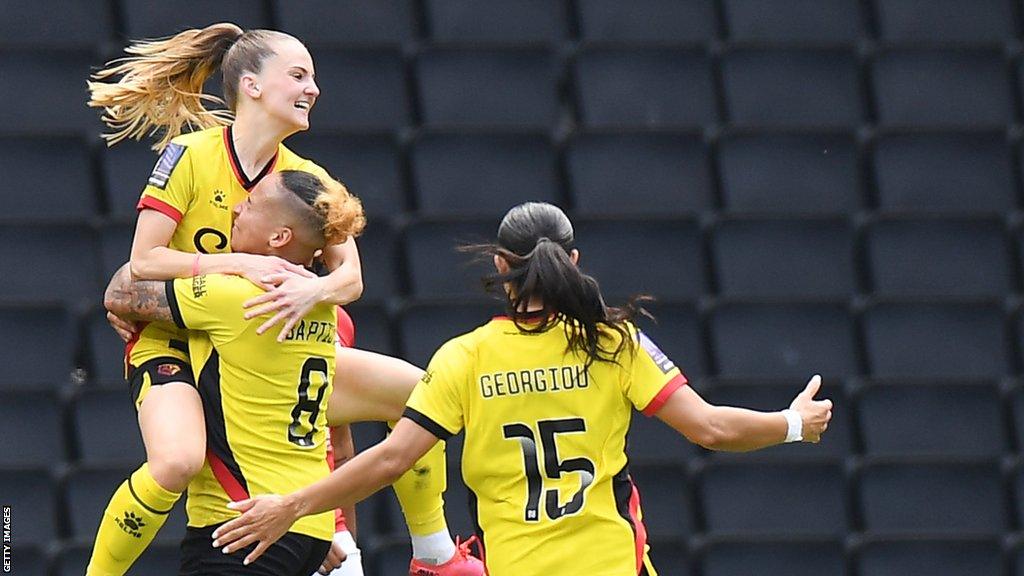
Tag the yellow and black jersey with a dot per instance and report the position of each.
(197, 182)
(544, 454)
(265, 402)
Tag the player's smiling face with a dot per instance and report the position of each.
(289, 90)
(254, 220)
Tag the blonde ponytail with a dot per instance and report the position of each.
(161, 85)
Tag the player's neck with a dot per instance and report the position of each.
(254, 144)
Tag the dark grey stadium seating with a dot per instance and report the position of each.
(638, 174)
(806, 186)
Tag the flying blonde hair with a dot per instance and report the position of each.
(159, 88)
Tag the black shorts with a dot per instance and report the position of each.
(156, 372)
(292, 555)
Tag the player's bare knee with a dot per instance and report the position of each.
(174, 471)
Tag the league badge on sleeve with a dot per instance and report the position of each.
(165, 165)
(656, 354)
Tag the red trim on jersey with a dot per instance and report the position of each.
(160, 206)
(227, 481)
(671, 386)
(131, 344)
(640, 531)
(339, 516)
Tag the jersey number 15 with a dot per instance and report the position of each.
(553, 468)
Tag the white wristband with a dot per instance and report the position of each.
(795, 432)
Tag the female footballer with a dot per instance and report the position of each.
(545, 395)
(183, 228)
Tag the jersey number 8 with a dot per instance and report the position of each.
(553, 468)
(307, 405)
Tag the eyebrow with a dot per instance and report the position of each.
(303, 68)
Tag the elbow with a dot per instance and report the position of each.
(715, 435)
(139, 268)
(392, 465)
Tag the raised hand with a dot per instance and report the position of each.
(815, 414)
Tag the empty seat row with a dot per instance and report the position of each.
(620, 174)
(395, 21)
(622, 88)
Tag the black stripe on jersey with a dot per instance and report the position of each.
(216, 430)
(622, 489)
(247, 183)
(172, 303)
(475, 515)
(423, 420)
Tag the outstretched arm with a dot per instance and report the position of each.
(137, 299)
(740, 430)
(266, 518)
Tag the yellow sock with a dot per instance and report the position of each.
(136, 512)
(420, 493)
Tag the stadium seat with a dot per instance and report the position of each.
(424, 327)
(934, 557)
(947, 172)
(369, 166)
(651, 441)
(143, 19)
(1015, 401)
(511, 21)
(936, 87)
(792, 88)
(783, 258)
(644, 88)
(32, 495)
(360, 90)
(31, 431)
(55, 104)
(40, 348)
(126, 169)
(30, 561)
(87, 491)
(631, 174)
(459, 174)
(36, 190)
(115, 250)
(373, 328)
(49, 263)
(732, 557)
(774, 395)
(671, 557)
(777, 341)
(789, 173)
(661, 258)
(934, 497)
(653, 21)
(966, 258)
(159, 559)
(811, 21)
(436, 269)
(326, 22)
(39, 25)
(391, 557)
(512, 88)
(899, 419)
(1017, 483)
(676, 330)
(665, 499)
(106, 350)
(378, 251)
(107, 428)
(922, 340)
(986, 21)
(781, 498)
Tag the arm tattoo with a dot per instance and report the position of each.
(137, 299)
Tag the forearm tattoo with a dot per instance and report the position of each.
(138, 299)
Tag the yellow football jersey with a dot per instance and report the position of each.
(544, 454)
(197, 182)
(264, 402)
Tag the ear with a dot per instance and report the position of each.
(501, 264)
(574, 256)
(281, 237)
(250, 85)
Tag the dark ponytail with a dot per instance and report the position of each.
(536, 240)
